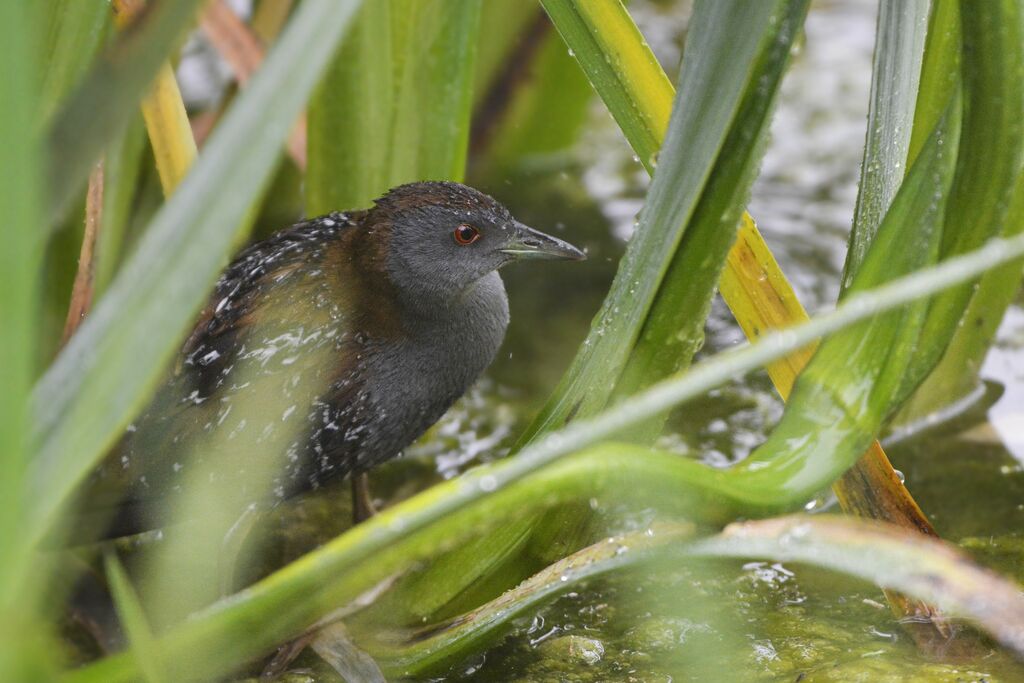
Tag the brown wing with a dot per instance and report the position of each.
(263, 358)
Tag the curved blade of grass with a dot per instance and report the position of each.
(102, 104)
(887, 555)
(899, 52)
(717, 72)
(957, 374)
(289, 600)
(20, 201)
(104, 374)
(417, 650)
(133, 620)
(394, 106)
(991, 148)
(890, 556)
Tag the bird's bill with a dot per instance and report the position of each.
(528, 243)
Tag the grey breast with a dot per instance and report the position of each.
(414, 381)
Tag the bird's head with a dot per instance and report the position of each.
(446, 236)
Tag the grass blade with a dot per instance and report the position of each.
(902, 26)
(121, 166)
(133, 620)
(23, 652)
(105, 373)
(76, 31)
(395, 104)
(891, 557)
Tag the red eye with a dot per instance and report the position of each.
(466, 234)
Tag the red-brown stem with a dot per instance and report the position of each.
(81, 291)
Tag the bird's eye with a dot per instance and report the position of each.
(466, 234)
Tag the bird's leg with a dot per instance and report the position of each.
(362, 501)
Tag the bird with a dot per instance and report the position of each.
(325, 350)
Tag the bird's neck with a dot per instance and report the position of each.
(485, 297)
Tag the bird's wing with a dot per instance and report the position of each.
(266, 351)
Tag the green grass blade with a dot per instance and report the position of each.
(295, 596)
(75, 33)
(133, 620)
(105, 99)
(90, 393)
(632, 84)
(940, 71)
(902, 26)
(420, 651)
(395, 104)
(957, 374)
(23, 652)
(716, 73)
(20, 195)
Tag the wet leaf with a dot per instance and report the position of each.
(890, 557)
